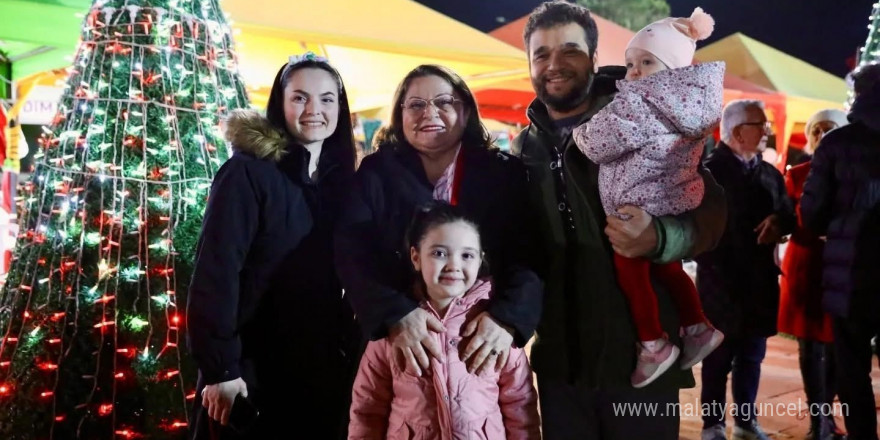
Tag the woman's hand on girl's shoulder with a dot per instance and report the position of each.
(490, 345)
(410, 339)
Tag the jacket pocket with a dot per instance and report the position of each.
(403, 376)
(480, 430)
(401, 432)
(492, 428)
(408, 431)
(489, 376)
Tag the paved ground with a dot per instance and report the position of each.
(780, 384)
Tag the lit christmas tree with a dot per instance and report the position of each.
(92, 314)
(870, 53)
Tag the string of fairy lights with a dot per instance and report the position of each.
(870, 52)
(92, 315)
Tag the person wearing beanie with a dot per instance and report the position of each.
(669, 43)
(648, 143)
(800, 299)
(841, 201)
(820, 124)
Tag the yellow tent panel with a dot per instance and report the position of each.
(774, 69)
(52, 78)
(397, 26)
(372, 44)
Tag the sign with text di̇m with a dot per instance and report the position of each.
(40, 105)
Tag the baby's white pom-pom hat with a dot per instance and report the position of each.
(674, 40)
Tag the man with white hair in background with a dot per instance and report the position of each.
(738, 280)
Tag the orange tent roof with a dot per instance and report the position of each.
(733, 82)
(613, 38)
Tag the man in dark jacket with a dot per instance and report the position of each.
(585, 350)
(842, 202)
(738, 281)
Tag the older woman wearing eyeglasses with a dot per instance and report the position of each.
(800, 301)
(436, 148)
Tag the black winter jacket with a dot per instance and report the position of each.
(842, 201)
(586, 336)
(372, 257)
(265, 303)
(738, 281)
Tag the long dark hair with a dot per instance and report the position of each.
(475, 133)
(341, 142)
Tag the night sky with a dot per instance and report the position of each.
(824, 33)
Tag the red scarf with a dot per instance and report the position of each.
(448, 186)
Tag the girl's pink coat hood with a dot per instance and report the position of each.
(649, 139)
(449, 403)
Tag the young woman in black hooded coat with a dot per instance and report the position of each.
(266, 314)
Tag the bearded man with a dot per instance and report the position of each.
(585, 349)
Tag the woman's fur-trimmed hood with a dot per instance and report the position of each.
(250, 132)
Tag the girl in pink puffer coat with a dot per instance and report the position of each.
(447, 403)
(648, 142)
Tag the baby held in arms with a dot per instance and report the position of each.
(648, 142)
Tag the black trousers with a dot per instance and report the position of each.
(569, 413)
(741, 358)
(852, 344)
(818, 370)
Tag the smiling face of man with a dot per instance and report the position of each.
(561, 67)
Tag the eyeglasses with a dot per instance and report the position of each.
(766, 126)
(418, 106)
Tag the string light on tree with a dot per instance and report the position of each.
(91, 313)
(870, 52)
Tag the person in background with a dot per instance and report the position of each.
(584, 354)
(800, 302)
(738, 280)
(389, 403)
(841, 201)
(815, 129)
(266, 313)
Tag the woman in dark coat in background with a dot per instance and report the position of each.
(841, 201)
(266, 314)
(800, 300)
